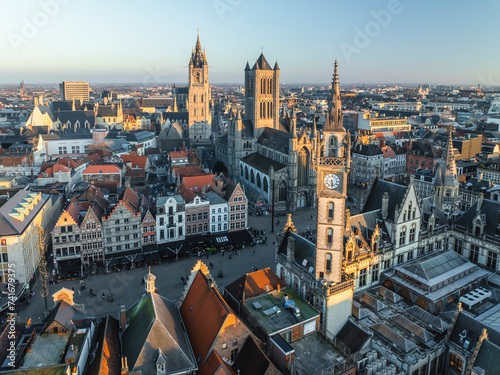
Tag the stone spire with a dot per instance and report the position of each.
(449, 166)
(293, 124)
(198, 44)
(334, 117)
(313, 129)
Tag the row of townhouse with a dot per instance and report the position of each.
(91, 229)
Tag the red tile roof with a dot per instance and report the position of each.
(131, 199)
(215, 365)
(188, 171)
(196, 183)
(136, 161)
(204, 313)
(254, 283)
(71, 163)
(102, 168)
(179, 154)
(186, 193)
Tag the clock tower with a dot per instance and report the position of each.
(331, 162)
(199, 91)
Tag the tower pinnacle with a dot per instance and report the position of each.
(334, 117)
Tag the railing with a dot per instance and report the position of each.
(332, 161)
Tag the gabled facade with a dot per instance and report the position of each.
(170, 219)
(148, 229)
(91, 236)
(66, 243)
(122, 227)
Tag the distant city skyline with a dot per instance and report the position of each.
(391, 41)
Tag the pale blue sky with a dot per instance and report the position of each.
(445, 41)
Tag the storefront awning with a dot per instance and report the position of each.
(241, 237)
(221, 239)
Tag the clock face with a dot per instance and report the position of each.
(331, 181)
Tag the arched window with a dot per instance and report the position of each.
(328, 262)
(202, 111)
(195, 111)
(252, 177)
(266, 185)
(241, 170)
(330, 210)
(194, 98)
(329, 236)
(202, 98)
(246, 173)
(282, 191)
(402, 236)
(258, 181)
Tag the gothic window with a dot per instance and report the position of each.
(258, 181)
(350, 250)
(202, 111)
(478, 227)
(448, 192)
(252, 177)
(414, 213)
(375, 272)
(202, 98)
(241, 170)
(282, 191)
(328, 262)
(194, 112)
(330, 210)
(413, 230)
(474, 253)
(329, 236)
(492, 260)
(194, 98)
(246, 173)
(266, 185)
(362, 277)
(303, 167)
(402, 236)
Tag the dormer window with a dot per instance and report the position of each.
(160, 368)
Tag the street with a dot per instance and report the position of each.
(126, 286)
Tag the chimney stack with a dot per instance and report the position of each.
(123, 318)
(480, 201)
(290, 249)
(385, 205)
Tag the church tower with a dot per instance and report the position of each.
(199, 96)
(332, 167)
(446, 185)
(262, 95)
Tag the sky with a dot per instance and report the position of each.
(150, 42)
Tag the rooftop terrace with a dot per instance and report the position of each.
(283, 319)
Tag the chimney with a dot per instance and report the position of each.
(479, 201)
(290, 249)
(210, 283)
(123, 318)
(124, 369)
(385, 205)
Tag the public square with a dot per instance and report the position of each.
(126, 286)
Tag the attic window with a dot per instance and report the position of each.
(235, 342)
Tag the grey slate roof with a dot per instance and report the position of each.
(305, 251)
(155, 323)
(488, 357)
(490, 210)
(214, 198)
(261, 63)
(74, 116)
(396, 195)
(66, 315)
(353, 336)
(437, 265)
(262, 163)
(369, 150)
(176, 116)
(275, 139)
(473, 330)
(10, 226)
